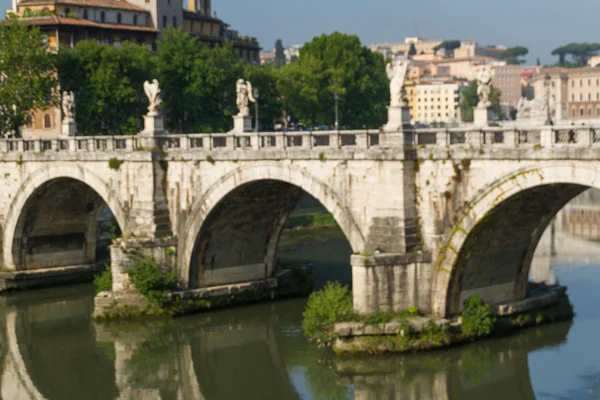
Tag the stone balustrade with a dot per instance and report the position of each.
(490, 136)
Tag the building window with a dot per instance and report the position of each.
(589, 82)
(119, 18)
(589, 112)
(164, 21)
(175, 22)
(67, 11)
(581, 83)
(135, 19)
(581, 112)
(47, 121)
(589, 96)
(573, 112)
(85, 13)
(580, 96)
(572, 83)
(597, 111)
(103, 16)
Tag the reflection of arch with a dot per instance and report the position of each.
(49, 173)
(203, 206)
(16, 381)
(561, 181)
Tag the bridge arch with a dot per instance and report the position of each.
(501, 228)
(36, 182)
(249, 182)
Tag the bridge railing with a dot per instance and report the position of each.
(535, 136)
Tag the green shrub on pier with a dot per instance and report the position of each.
(103, 281)
(152, 281)
(324, 308)
(115, 163)
(478, 318)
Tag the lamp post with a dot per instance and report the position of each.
(336, 97)
(256, 109)
(547, 80)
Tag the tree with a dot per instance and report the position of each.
(538, 62)
(412, 50)
(28, 76)
(469, 101)
(279, 54)
(580, 53)
(331, 63)
(108, 85)
(264, 79)
(512, 55)
(198, 82)
(448, 45)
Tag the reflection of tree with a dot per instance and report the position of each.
(323, 381)
(477, 363)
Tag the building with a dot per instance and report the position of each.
(422, 46)
(437, 102)
(112, 22)
(461, 68)
(507, 79)
(470, 49)
(66, 22)
(594, 61)
(574, 92)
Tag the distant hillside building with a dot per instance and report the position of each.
(437, 101)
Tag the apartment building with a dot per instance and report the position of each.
(437, 101)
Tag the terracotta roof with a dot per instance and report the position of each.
(117, 4)
(55, 20)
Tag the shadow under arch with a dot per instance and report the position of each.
(255, 201)
(489, 249)
(73, 185)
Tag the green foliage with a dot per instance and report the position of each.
(580, 53)
(470, 99)
(28, 75)
(331, 63)
(197, 82)
(151, 280)
(169, 251)
(149, 357)
(412, 50)
(115, 163)
(103, 281)
(108, 83)
(512, 55)
(324, 308)
(478, 318)
(448, 45)
(377, 318)
(321, 156)
(280, 60)
(210, 159)
(29, 13)
(265, 80)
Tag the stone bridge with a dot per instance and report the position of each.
(453, 211)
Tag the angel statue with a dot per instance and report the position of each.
(244, 94)
(68, 105)
(396, 72)
(153, 93)
(484, 86)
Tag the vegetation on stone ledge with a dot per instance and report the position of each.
(324, 308)
(152, 281)
(103, 281)
(478, 318)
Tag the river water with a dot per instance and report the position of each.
(51, 349)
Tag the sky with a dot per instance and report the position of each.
(540, 25)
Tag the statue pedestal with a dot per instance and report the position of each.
(153, 125)
(398, 116)
(242, 124)
(482, 116)
(69, 128)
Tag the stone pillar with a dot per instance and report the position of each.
(547, 136)
(153, 127)
(398, 125)
(69, 127)
(242, 123)
(482, 116)
(391, 282)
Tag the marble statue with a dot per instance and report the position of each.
(244, 95)
(484, 86)
(532, 109)
(396, 72)
(68, 105)
(152, 91)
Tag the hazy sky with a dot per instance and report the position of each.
(540, 25)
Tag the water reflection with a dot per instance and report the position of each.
(50, 349)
